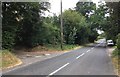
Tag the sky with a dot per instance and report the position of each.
(66, 4)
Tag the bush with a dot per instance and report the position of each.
(8, 39)
(116, 52)
(118, 42)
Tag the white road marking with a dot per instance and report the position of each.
(88, 51)
(92, 48)
(58, 69)
(38, 56)
(88, 72)
(80, 55)
(97, 45)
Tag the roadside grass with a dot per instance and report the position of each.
(116, 52)
(8, 59)
(116, 60)
(50, 47)
(58, 47)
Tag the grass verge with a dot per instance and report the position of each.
(8, 60)
(50, 47)
(58, 47)
(116, 60)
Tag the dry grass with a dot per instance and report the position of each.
(54, 48)
(116, 64)
(8, 60)
(116, 61)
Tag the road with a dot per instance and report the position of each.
(90, 60)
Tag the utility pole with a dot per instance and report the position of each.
(61, 27)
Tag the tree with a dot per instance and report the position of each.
(88, 9)
(118, 42)
(9, 24)
(72, 22)
(85, 8)
(51, 31)
(82, 35)
(113, 27)
(20, 23)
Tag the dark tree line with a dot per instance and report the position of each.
(113, 21)
(20, 22)
(113, 32)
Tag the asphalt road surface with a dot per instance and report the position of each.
(90, 60)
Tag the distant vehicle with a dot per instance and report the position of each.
(110, 43)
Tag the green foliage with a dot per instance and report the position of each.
(58, 48)
(116, 52)
(101, 36)
(118, 42)
(9, 25)
(29, 24)
(45, 32)
(112, 27)
(21, 23)
(85, 8)
(88, 32)
(8, 39)
(82, 35)
(72, 22)
(51, 33)
(93, 36)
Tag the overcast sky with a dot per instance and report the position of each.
(55, 5)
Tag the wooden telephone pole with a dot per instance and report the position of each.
(61, 27)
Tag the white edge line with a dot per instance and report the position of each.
(59, 69)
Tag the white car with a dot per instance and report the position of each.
(110, 43)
